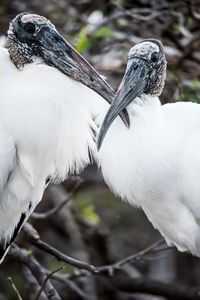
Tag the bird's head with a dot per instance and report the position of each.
(145, 73)
(26, 35)
(34, 38)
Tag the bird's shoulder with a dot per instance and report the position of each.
(182, 108)
(184, 116)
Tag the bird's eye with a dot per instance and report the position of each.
(154, 56)
(29, 27)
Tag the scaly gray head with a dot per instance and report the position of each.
(145, 73)
(32, 37)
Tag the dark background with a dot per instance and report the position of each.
(96, 227)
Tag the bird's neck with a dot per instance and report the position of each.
(144, 108)
(132, 152)
(19, 54)
(16, 57)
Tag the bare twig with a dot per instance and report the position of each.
(32, 283)
(30, 231)
(15, 289)
(28, 260)
(72, 285)
(148, 286)
(132, 258)
(136, 14)
(45, 281)
(141, 285)
(63, 257)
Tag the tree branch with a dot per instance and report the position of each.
(148, 286)
(28, 260)
(45, 281)
(15, 289)
(33, 236)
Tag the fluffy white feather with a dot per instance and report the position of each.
(46, 130)
(155, 165)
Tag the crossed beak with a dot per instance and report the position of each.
(56, 51)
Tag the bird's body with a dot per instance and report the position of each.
(155, 164)
(159, 164)
(45, 96)
(47, 131)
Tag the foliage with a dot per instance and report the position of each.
(85, 41)
(85, 209)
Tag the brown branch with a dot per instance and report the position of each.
(134, 257)
(137, 14)
(45, 281)
(32, 283)
(141, 285)
(134, 286)
(28, 229)
(35, 240)
(14, 288)
(148, 286)
(72, 285)
(63, 257)
(145, 18)
(28, 260)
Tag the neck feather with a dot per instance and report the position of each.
(16, 57)
(145, 108)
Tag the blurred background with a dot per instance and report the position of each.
(95, 226)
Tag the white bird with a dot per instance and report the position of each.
(155, 164)
(46, 118)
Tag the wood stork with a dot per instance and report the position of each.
(155, 164)
(46, 118)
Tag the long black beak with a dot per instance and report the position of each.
(133, 84)
(57, 52)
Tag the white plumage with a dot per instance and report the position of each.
(46, 131)
(48, 123)
(155, 164)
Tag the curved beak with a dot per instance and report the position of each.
(133, 84)
(57, 52)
